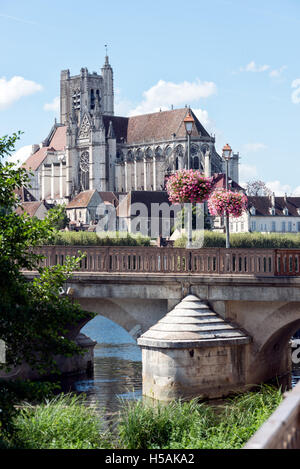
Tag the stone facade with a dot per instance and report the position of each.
(92, 149)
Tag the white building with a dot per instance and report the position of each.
(269, 215)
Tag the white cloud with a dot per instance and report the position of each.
(253, 67)
(14, 89)
(123, 105)
(277, 72)
(278, 188)
(254, 147)
(53, 106)
(296, 93)
(164, 94)
(247, 173)
(20, 155)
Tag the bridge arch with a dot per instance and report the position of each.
(270, 351)
(134, 315)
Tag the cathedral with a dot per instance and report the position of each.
(92, 149)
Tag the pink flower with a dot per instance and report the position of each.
(222, 201)
(188, 186)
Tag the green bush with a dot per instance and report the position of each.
(245, 240)
(107, 238)
(62, 423)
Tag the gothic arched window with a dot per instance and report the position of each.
(196, 162)
(158, 151)
(84, 165)
(149, 153)
(92, 99)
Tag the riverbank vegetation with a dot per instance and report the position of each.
(67, 422)
(244, 240)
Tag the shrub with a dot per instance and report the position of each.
(245, 240)
(106, 238)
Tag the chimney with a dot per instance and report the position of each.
(285, 197)
(273, 199)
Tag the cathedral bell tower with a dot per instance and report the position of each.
(84, 99)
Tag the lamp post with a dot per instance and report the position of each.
(226, 153)
(189, 122)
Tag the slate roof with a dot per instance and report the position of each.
(263, 205)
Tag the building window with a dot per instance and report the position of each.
(242, 226)
(289, 226)
(84, 171)
(298, 226)
(253, 226)
(273, 226)
(283, 226)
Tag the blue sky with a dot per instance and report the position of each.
(235, 63)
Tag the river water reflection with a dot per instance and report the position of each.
(117, 367)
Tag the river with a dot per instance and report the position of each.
(117, 368)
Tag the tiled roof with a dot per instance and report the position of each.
(219, 181)
(161, 126)
(29, 207)
(263, 205)
(82, 199)
(110, 197)
(152, 127)
(58, 142)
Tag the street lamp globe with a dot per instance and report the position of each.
(226, 152)
(188, 122)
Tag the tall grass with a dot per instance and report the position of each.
(107, 238)
(62, 423)
(196, 426)
(67, 423)
(245, 240)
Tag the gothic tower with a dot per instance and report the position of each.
(84, 90)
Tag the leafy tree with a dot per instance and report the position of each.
(59, 214)
(34, 317)
(257, 188)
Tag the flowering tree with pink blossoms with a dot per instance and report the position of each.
(188, 185)
(224, 201)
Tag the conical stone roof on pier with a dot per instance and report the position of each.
(192, 324)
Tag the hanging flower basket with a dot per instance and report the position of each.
(222, 201)
(188, 185)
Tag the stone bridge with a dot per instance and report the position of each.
(258, 290)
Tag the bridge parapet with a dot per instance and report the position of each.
(218, 261)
